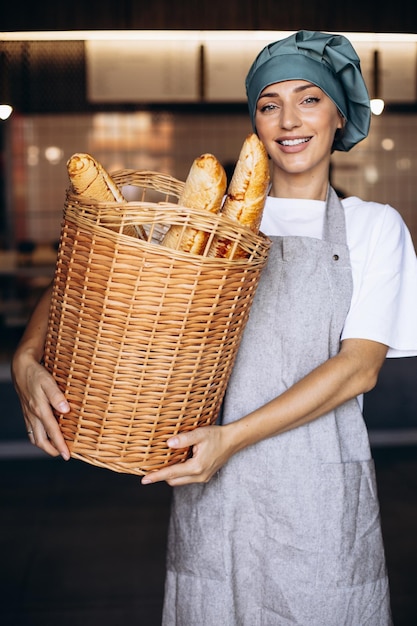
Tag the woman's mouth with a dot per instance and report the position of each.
(293, 142)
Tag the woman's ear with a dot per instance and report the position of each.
(338, 136)
(340, 129)
(342, 121)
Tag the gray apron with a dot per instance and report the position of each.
(288, 531)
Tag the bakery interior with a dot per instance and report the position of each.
(151, 86)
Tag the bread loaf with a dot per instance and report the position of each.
(89, 178)
(204, 189)
(246, 194)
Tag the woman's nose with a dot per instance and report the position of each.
(289, 117)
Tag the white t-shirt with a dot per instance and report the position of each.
(384, 266)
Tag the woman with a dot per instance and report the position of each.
(275, 518)
(284, 527)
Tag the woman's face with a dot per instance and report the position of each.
(297, 122)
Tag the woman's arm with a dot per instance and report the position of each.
(353, 371)
(36, 388)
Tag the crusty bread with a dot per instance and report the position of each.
(89, 178)
(205, 186)
(246, 194)
(204, 189)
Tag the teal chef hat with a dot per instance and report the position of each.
(330, 62)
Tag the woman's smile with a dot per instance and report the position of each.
(293, 144)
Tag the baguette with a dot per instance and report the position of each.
(204, 188)
(246, 194)
(89, 178)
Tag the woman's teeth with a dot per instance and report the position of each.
(293, 142)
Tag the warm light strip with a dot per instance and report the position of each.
(189, 35)
(117, 35)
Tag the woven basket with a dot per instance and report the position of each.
(142, 338)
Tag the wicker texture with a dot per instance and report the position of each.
(142, 338)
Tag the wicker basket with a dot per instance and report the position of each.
(142, 338)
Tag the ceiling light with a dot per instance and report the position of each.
(5, 111)
(377, 106)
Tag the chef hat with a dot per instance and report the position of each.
(330, 62)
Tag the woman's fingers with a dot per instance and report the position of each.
(38, 396)
(55, 396)
(47, 436)
(39, 438)
(209, 454)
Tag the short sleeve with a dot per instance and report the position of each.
(384, 269)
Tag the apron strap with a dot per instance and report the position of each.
(334, 226)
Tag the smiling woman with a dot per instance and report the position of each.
(297, 122)
(283, 527)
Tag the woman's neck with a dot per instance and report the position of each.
(302, 186)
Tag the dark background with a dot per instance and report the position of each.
(356, 15)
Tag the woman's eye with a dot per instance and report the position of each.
(311, 100)
(267, 107)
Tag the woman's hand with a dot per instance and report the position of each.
(36, 388)
(38, 393)
(211, 447)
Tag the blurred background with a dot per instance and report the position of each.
(151, 86)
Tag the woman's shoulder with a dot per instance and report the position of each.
(367, 207)
(377, 230)
(368, 214)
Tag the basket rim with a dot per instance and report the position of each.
(83, 212)
(262, 242)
